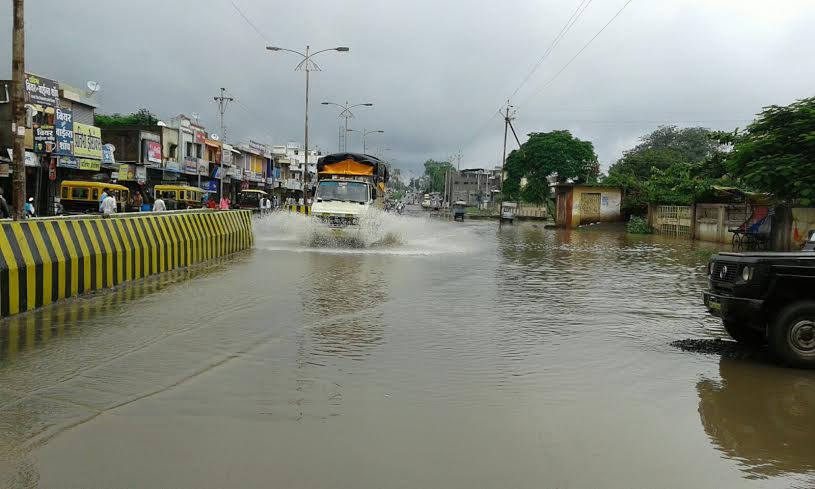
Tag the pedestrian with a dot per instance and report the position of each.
(138, 200)
(224, 203)
(158, 204)
(109, 204)
(211, 204)
(4, 212)
(28, 208)
(102, 198)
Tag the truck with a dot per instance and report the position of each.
(767, 298)
(349, 185)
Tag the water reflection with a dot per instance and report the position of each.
(762, 417)
(343, 303)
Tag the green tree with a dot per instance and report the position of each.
(776, 153)
(435, 172)
(545, 154)
(142, 117)
(668, 166)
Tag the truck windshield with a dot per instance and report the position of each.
(343, 191)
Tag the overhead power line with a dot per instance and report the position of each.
(584, 4)
(551, 80)
(252, 25)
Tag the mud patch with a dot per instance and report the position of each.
(723, 348)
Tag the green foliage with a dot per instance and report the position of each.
(142, 117)
(670, 166)
(435, 172)
(776, 153)
(545, 154)
(638, 225)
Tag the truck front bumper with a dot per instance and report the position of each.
(735, 309)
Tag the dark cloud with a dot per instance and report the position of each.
(436, 71)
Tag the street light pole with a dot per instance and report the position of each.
(307, 64)
(346, 112)
(222, 103)
(365, 137)
(18, 109)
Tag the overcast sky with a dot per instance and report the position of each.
(437, 71)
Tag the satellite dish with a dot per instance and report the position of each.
(214, 137)
(93, 87)
(161, 124)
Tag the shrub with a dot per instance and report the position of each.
(639, 225)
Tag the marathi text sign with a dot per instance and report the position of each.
(127, 172)
(44, 139)
(65, 132)
(89, 164)
(87, 141)
(41, 91)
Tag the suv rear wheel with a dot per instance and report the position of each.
(744, 334)
(792, 335)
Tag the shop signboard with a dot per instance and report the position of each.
(5, 170)
(87, 141)
(190, 166)
(172, 166)
(153, 152)
(64, 129)
(218, 172)
(52, 170)
(89, 164)
(31, 159)
(41, 91)
(68, 162)
(44, 138)
(141, 174)
(211, 185)
(127, 173)
(200, 138)
(107, 154)
(203, 167)
(227, 156)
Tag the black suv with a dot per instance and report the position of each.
(767, 298)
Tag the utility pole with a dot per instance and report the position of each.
(222, 102)
(18, 108)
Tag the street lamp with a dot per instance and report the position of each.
(307, 65)
(365, 137)
(346, 112)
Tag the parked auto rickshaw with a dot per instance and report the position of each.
(458, 210)
(180, 196)
(507, 212)
(250, 199)
(81, 197)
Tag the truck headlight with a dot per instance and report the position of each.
(747, 273)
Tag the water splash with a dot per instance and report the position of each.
(378, 232)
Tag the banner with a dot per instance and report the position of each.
(153, 152)
(172, 166)
(127, 172)
(87, 141)
(191, 166)
(64, 132)
(31, 159)
(141, 174)
(89, 164)
(200, 138)
(44, 139)
(41, 91)
(107, 154)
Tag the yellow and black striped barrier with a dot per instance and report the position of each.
(45, 260)
(300, 209)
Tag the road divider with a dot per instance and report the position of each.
(301, 209)
(45, 260)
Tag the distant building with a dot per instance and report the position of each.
(582, 204)
(474, 186)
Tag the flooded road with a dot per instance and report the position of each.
(455, 356)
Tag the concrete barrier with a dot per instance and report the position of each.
(301, 209)
(45, 260)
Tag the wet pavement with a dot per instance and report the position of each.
(448, 355)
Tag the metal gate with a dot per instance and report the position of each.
(589, 207)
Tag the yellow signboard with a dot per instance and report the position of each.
(87, 141)
(88, 164)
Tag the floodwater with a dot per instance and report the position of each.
(449, 355)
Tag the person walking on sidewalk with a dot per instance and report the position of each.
(224, 203)
(109, 204)
(159, 205)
